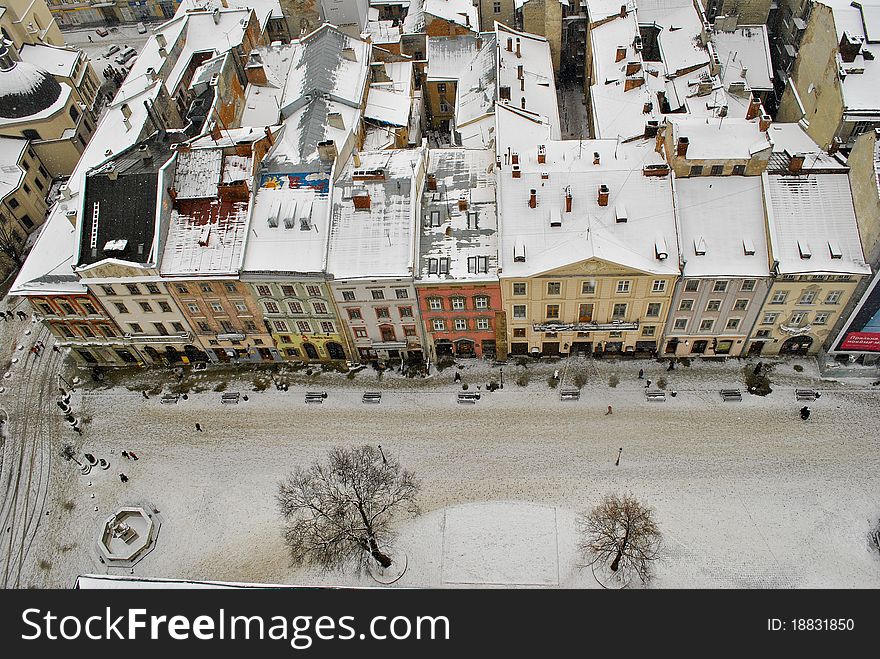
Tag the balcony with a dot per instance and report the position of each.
(179, 337)
(613, 326)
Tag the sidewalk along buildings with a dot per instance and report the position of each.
(373, 250)
(725, 268)
(815, 251)
(457, 272)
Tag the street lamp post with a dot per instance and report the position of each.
(501, 386)
(617, 462)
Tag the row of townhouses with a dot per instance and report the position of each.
(266, 200)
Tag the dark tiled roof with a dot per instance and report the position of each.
(26, 90)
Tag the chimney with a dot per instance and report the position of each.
(519, 71)
(516, 172)
(349, 54)
(334, 120)
(622, 11)
(849, 47)
(522, 102)
(834, 146)
(621, 54)
(633, 83)
(432, 182)
(216, 15)
(361, 199)
(151, 73)
(542, 154)
(754, 108)
(681, 148)
(514, 158)
(509, 44)
(764, 122)
(568, 200)
(651, 128)
(254, 70)
(796, 163)
(522, 84)
(504, 93)
(533, 198)
(596, 158)
(145, 153)
(71, 216)
(518, 52)
(65, 191)
(633, 67)
(327, 151)
(604, 193)
(160, 40)
(462, 202)
(356, 158)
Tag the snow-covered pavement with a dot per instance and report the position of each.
(746, 494)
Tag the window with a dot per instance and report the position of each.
(108, 331)
(789, 277)
(241, 307)
(178, 327)
(461, 324)
(619, 311)
(405, 312)
(382, 312)
(713, 305)
(401, 293)
(160, 329)
(327, 327)
(769, 318)
(692, 285)
(86, 331)
(588, 288)
(271, 307)
(303, 326)
(153, 289)
(821, 318)
(696, 170)
(295, 307)
(623, 286)
(496, 7)
(732, 323)
(457, 303)
(67, 309)
(230, 286)
(250, 326)
(552, 311)
(739, 170)
(13, 203)
(438, 325)
(720, 286)
(441, 87)
(435, 219)
(320, 307)
(258, 342)
(833, 297)
(477, 264)
(90, 309)
(216, 307)
(354, 314)
(206, 288)
(707, 324)
(360, 333)
(291, 352)
(762, 334)
(481, 302)
(747, 285)
(680, 324)
(193, 308)
(554, 288)
(717, 170)
(519, 311)
(444, 265)
(482, 323)
(378, 295)
(798, 317)
(313, 291)
(436, 304)
(280, 326)
(779, 297)
(227, 327)
(265, 291)
(348, 296)
(653, 310)
(807, 297)
(204, 327)
(145, 306)
(409, 330)
(648, 330)
(444, 106)
(741, 305)
(473, 220)
(46, 309)
(121, 308)
(26, 221)
(686, 305)
(519, 332)
(66, 331)
(136, 328)
(658, 286)
(519, 288)
(133, 289)
(181, 288)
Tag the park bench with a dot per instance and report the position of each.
(372, 396)
(468, 398)
(655, 395)
(170, 398)
(231, 397)
(569, 394)
(728, 395)
(315, 396)
(806, 394)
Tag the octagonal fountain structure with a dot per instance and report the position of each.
(127, 536)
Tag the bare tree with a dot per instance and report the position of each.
(341, 510)
(621, 534)
(69, 453)
(9, 243)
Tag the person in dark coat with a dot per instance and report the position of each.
(805, 412)
(641, 373)
(123, 478)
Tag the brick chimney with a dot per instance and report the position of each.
(633, 67)
(518, 52)
(754, 108)
(568, 201)
(764, 122)
(361, 200)
(633, 83)
(621, 54)
(622, 11)
(681, 148)
(533, 198)
(596, 158)
(514, 158)
(327, 151)
(462, 202)
(604, 193)
(432, 182)
(542, 154)
(522, 102)
(849, 47)
(516, 171)
(796, 163)
(509, 44)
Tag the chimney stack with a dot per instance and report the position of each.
(216, 15)
(568, 200)
(849, 47)
(327, 151)
(622, 11)
(764, 122)
(596, 158)
(432, 182)
(518, 52)
(796, 163)
(519, 71)
(522, 102)
(633, 67)
(361, 200)
(533, 198)
(509, 44)
(754, 108)
(542, 154)
(681, 149)
(334, 120)
(516, 171)
(621, 54)
(633, 83)
(462, 202)
(514, 158)
(604, 193)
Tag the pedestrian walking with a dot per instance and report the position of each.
(55, 348)
(647, 383)
(144, 393)
(609, 411)
(90, 37)
(3, 315)
(805, 412)
(671, 366)
(123, 478)
(133, 455)
(457, 377)
(198, 427)
(125, 454)
(22, 315)
(641, 373)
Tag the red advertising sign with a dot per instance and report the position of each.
(861, 342)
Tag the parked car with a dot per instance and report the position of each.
(126, 55)
(112, 49)
(141, 28)
(102, 32)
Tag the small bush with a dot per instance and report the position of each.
(68, 505)
(661, 383)
(685, 361)
(579, 380)
(613, 381)
(552, 382)
(350, 375)
(261, 384)
(44, 564)
(221, 386)
(464, 387)
(523, 379)
(798, 368)
(522, 361)
(444, 362)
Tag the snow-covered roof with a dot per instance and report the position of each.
(382, 32)
(198, 173)
(537, 71)
(552, 238)
(790, 139)
(289, 226)
(448, 56)
(305, 128)
(745, 55)
(462, 12)
(476, 86)
(813, 224)
(378, 241)
(56, 60)
(387, 106)
(718, 139)
(461, 233)
(11, 173)
(264, 9)
(721, 220)
(861, 77)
